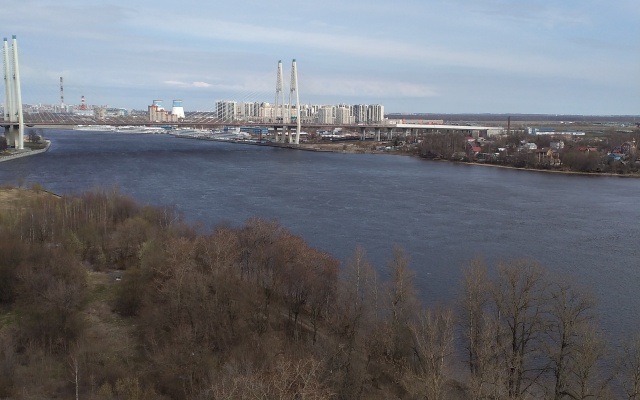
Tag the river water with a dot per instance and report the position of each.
(442, 214)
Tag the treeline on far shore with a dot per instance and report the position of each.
(611, 153)
(103, 298)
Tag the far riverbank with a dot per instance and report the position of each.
(371, 148)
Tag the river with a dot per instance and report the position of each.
(443, 214)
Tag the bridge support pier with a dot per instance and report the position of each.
(363, 133)
(293, 88)
(14, 131)
(377, 134)
(286, 135)
(12, 134)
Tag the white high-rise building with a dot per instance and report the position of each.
(248, 110)
(309, 113)
(375, 113)
(343, 116)
(226, 110)
(267, 112)
(360, 113)
(325, 115)
(367, 114)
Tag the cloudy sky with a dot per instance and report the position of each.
(442, 56)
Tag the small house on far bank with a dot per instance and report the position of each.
(556, 144)
(628, 148)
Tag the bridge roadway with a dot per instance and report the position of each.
(51, 120)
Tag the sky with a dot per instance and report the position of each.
(412, 56)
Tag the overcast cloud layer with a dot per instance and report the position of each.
(452, 56)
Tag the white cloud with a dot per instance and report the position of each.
(186, 84)
(175, 83)
(201, 84)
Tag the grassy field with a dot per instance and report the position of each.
(10, 197)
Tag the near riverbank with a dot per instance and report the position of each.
(10, 197)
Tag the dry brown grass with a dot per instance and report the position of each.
(10, 197)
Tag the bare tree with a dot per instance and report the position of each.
(324, 270)
(480, 329)
(34, 135)
(586, 379)
(256, 243)
(73, 362)
(571, 313)
(8, 363)
(220, 251)
(402, 302)
(353, 322)
(432, 346)
(519, 299)
(630, 373)
(287, 379)
(489, 381)
(475, 300)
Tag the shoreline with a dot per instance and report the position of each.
(330, 148)
(548, 171)
(472, 164)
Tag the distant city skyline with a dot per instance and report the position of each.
(486, 56)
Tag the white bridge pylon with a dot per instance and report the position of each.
(285, 112)
(13, 116)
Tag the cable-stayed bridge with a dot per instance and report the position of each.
(211, 120)
(285, 121)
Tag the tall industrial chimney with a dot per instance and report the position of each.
(62, 107)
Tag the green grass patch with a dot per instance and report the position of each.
(100, 287)
(7, 318)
